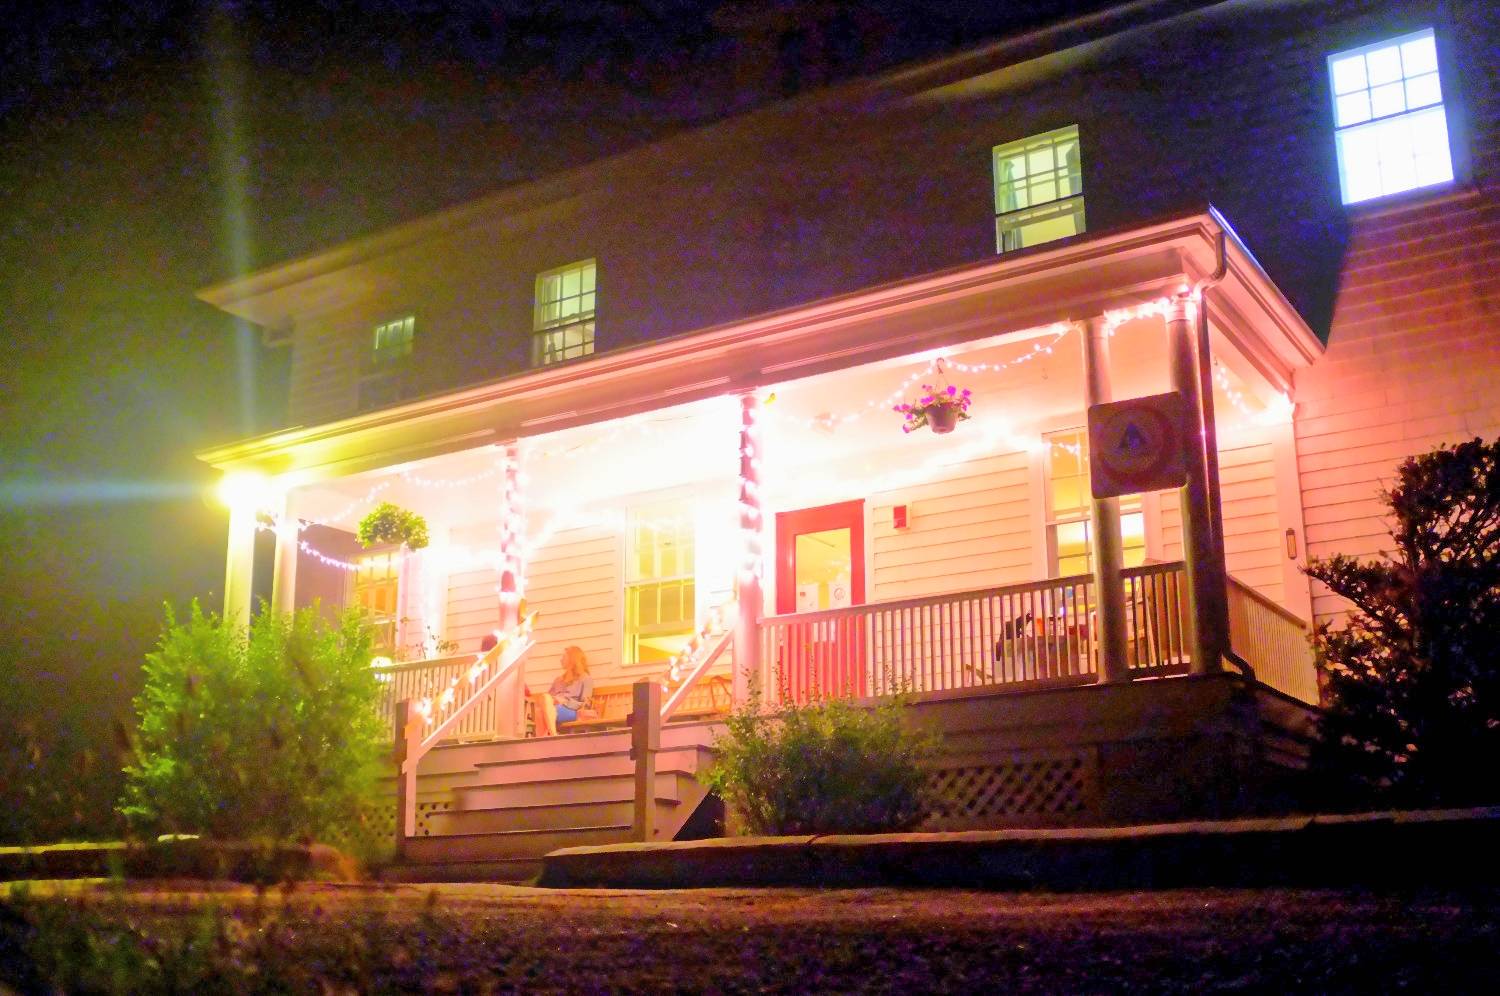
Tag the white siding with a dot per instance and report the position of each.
(573, 583)
(1254, 541)
(970, 528)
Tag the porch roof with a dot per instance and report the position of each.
(1012, 293)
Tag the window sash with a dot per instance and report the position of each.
(660, 577)
(391, 340)
(1038, 186)
(1390, 123)
(567, 342)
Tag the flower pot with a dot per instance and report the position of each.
(942, 418)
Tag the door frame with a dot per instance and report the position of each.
(789, 525)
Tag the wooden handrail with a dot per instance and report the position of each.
(680, 695)
(508, 663)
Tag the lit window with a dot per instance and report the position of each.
(563, 322)
(377, 581)
(659, 591)
(392, 340)
(1038, 190)
(1070, 546)
(1390, 127)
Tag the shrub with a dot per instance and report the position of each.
(1411, 684)
(272, 733)
(827, 767)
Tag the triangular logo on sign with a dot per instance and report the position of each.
(1133, 441)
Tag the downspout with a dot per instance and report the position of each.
(1211, 453)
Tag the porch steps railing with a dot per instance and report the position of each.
(1273, 641)
(703, 659)
(498, 670)
(1042, 632)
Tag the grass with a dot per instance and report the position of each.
(83, 938)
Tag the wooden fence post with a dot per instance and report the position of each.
(408, 736)
(645, 741)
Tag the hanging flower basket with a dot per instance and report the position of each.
(389, 523)
(941, 409)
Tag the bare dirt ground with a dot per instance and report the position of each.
(501, 939)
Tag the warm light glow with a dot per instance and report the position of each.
(245, 491)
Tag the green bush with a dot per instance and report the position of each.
(1411, 679)
(827, 767)
(270, 734)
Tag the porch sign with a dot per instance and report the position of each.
(1138, 445)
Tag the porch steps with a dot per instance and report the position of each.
(510, 845)
(510, 802)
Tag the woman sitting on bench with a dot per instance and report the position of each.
(570, 692)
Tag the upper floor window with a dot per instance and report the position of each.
(392, 340)
(563, 321)
(1389, 123)
(1070, 543)
(1038, 190)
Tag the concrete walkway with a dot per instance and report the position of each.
(1410, 848)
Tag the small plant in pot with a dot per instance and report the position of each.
(942, 409)
(389, 523)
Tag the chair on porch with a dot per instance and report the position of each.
(1057, 644)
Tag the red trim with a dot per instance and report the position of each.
(790, 525)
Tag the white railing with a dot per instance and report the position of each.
(461, 693)
(1272, 641)
(420, 680)
(1017, 635)
(703, 658)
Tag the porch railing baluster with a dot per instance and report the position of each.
(1041, 632)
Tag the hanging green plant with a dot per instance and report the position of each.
(389, 523)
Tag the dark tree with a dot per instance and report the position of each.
(1412, 682)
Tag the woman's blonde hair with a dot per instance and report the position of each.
(575, 662)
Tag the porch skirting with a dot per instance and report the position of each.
(1192, 747)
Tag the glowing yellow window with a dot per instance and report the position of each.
(660, 591)
(1070, 546)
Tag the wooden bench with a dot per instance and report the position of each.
(709, 698)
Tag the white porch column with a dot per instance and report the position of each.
(284, 577)
(239, 561)
(1104, 522)
(512, 537)
(749, 594)
(1204, 570)
(510, 694)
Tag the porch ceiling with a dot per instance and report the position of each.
(829, 437)
(996, 306)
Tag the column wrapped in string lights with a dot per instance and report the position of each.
(510, 693)
(752, 557)
(512, 561)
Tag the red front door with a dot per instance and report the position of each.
(820, 568)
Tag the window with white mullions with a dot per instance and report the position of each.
(563, 317)
(1070, 541)
(660, 581)
(1391, 128)
(392, 340)
(1038, 189)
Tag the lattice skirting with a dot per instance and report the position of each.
(425, 810)
(1022, 790)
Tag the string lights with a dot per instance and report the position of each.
(828, 421)
(431, 711)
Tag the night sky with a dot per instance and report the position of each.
(153, 147)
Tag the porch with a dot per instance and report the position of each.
(705, 541)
